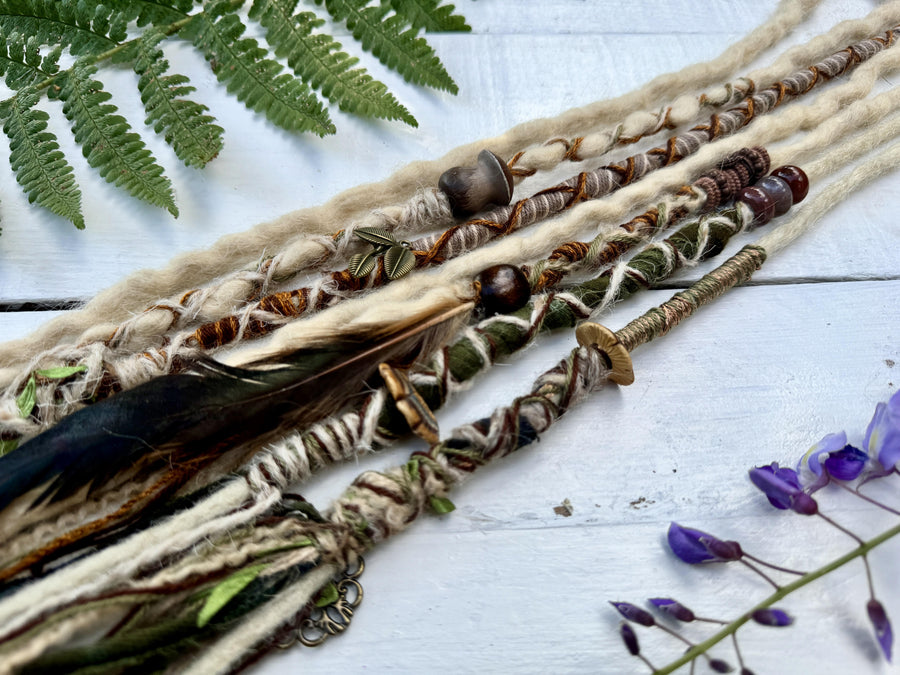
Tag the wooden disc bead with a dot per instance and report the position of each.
(796, 179)
(760, 202)
(503, 289)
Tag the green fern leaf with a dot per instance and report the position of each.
(107, 141)
(258, 83)
(22, 63)
(429, 15)
(190, 132)
(320, 62)
(34, 154)
(84, 27)
(396, 48)
(152, 12)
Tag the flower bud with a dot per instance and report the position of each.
(673, 608)
(629, 638)
(634, 613)
(772, 617)
(882, 625)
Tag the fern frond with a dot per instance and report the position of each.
(396, 48)
(107, 141)
(39, 165)
(321, 63)
(152, 12)
(257, 82)
(430, 15)
(84, 27)
(22, 63)
(190, 132)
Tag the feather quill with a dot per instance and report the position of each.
(213, 406)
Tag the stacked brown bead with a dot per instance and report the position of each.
(738, 170)
(775, 194)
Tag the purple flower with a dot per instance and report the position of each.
(813, 458)
(846, 464)
(694, 546)
(629, 638)
(883, 434)
(634, 613)
(772, 617)
(782, 487)
(882, 625)
(720, 666)
(673, 608)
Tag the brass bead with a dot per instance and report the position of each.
(605, 341)
(470, 189)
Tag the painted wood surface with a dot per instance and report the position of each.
(505, 584)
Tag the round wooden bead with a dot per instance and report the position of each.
(504, 289)
(779, 191)
(796, 178)
(762, 205)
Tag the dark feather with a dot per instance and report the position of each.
(213, 406)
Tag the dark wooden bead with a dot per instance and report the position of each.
(778, 189)
(760, 202)
(504, 289)
(796, 178)
(470, 189)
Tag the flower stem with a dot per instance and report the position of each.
(787, 570)
(783, 592)
(761, 573)
(873, 502)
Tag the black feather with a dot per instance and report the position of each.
(211, 406)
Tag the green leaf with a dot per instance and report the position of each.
(320, 62)
(327, 596)
(153, 12)
(396, 48)
(429, 15)
(8, 446)
(183, 123)
(108, 142)
(82, 26)
(60, 372)
(441, 505)
(22, 62)
(39, 165)
(226, 590)
(257, 82)
(26, 400)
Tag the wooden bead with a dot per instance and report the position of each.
(617, 358)
(780, 192)
(470, 189)
(796, 178)
(503, 289)
(760, 202)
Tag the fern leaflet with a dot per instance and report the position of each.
(82, 26)
(320, 62)
(190, 132)
(428, 15)
(396, 48)
(258, 83)
(39, 165)
(22, 63)
(152, 12)
(107, 141)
